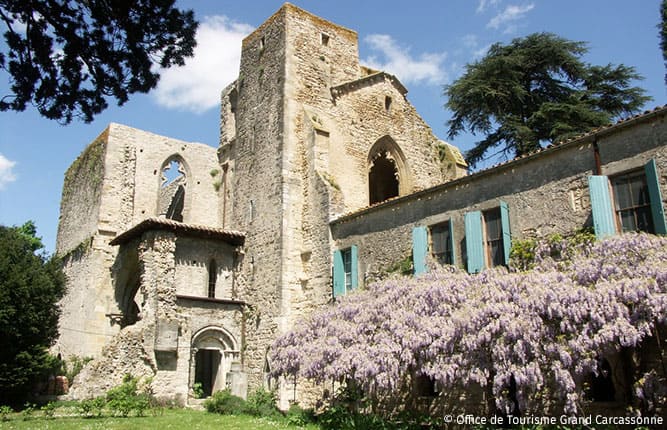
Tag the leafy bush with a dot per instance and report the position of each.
(262, 403)
(540, 330)
(90, 408)
(198, 390)
(5, 411)
(225, 403)
(124, 399)
(297, 416)
(49, 409)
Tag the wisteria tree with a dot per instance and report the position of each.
(523, 339)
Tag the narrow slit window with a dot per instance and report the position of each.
(387, 103)
(324, 39)
(212, 278)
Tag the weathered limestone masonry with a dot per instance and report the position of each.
(184, 264)
(546, 192)
(300, 131)
(168, 285)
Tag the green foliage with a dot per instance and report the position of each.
(90, 408)
(522, 254)
(262, 403)
(198, 390)
(403, 267)
(30, 286)
(537, 89)
(73, 365)
(49, 409)
(28, 411)
(73, 55)
(225, 403)
(297, 416)
(5, 412)
(125, 398)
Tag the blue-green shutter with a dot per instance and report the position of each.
(451, 238)
(354, 273)
(603, 213)
(338, 274)
(474, 241)
(507, 237)
(654, 194)
(419, 249)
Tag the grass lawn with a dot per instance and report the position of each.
(169, 419)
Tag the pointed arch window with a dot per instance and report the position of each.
(388, 174)
(172, 189)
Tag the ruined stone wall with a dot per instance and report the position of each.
(110, 187)
(150, 152)
(546, 193)
(80, 202)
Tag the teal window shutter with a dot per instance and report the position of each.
(419, 249)
(338, 274)
(453, 242)
(603, 213)
(474, 241)
(354, 273)
(655, 196)
(507, 237)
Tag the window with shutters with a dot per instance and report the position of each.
(488, 238)
(345, 275)
(493, 238)
(632, 204)
(441, 243)
(631, 201)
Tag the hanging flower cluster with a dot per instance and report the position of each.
(541, 330)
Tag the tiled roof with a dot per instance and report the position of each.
(600, 131)
(232, 237)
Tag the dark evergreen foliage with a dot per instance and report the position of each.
(30, 286)
(67, 57)
(535, 90)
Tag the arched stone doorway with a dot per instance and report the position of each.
(213, 351)
(388, 175)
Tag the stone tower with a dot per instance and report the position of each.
(307, 133)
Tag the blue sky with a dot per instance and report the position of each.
(425, 43)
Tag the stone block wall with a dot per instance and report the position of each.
(546, 193)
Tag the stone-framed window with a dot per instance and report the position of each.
(212, 278)
(172, 196)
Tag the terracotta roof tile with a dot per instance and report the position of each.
(229, 236)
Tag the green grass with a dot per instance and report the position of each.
(163, 420)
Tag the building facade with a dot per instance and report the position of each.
(184, 262)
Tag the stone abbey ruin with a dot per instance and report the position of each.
(185, 262)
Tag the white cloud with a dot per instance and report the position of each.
(427, 68)
(6, 173)
(196, 86)
(484, 4)
(509, 16)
